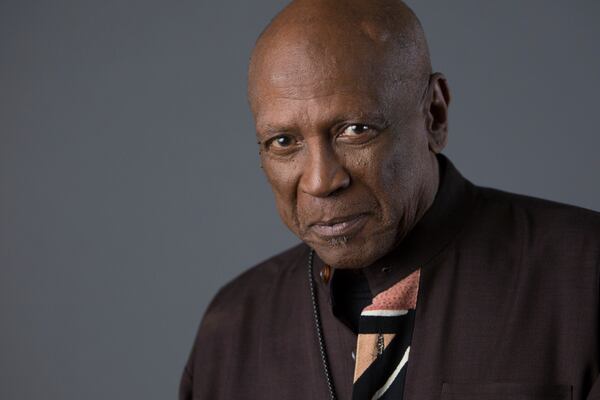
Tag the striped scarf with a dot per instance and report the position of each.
(383, 344)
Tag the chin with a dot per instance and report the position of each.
(340, 252)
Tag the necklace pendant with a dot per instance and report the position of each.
(380, 344)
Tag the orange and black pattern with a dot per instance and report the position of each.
(383, 344)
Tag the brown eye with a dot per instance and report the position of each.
(282, 141)
(357, 133)
(356, 129)
(282, 144)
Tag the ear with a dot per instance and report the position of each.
(436, 112)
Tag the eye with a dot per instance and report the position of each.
(356, 129)
(282, 141)
(357, 133)
(281, 144)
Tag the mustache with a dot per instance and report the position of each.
(329, 211)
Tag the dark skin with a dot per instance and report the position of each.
(349, 118)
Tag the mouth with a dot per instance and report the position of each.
(342, 226)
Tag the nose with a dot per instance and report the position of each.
(323, 174)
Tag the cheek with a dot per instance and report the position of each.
(407, 174)
(406, 155)
(396, 178)
(377, 167)
(399, 171)
(373, 182)
(283, 178)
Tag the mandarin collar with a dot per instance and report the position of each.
(441, 223)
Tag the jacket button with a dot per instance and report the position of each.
(325, 274)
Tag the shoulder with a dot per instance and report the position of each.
(260, 277)
(540, 247)
(249, 289)
(242, 306)
(548, 213)
(540, 224)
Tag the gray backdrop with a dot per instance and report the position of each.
(129, 181)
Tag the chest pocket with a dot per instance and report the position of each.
(505, 391)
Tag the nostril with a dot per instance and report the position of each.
(338, 190)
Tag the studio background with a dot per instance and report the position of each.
(129, 182)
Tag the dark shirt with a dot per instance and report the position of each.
(350, 294)
(507, 307)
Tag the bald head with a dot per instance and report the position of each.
(321, 38)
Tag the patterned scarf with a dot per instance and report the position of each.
(383, 344)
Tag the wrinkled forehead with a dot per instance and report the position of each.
(304, 62)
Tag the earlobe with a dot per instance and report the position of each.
(437, 112)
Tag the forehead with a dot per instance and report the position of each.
(277, 113)
(296, 56)
(314, 79)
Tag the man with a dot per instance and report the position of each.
(411, 282)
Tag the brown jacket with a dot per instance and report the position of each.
(508, 307)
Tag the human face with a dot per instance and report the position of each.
(346, 153)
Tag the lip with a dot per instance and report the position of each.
(341, 226)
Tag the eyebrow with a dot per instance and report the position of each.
(376, 118)
(273, 128)
(267, 131)
(372, 117)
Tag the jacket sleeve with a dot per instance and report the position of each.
(205, 373)
(594, 393)
(185, 385)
